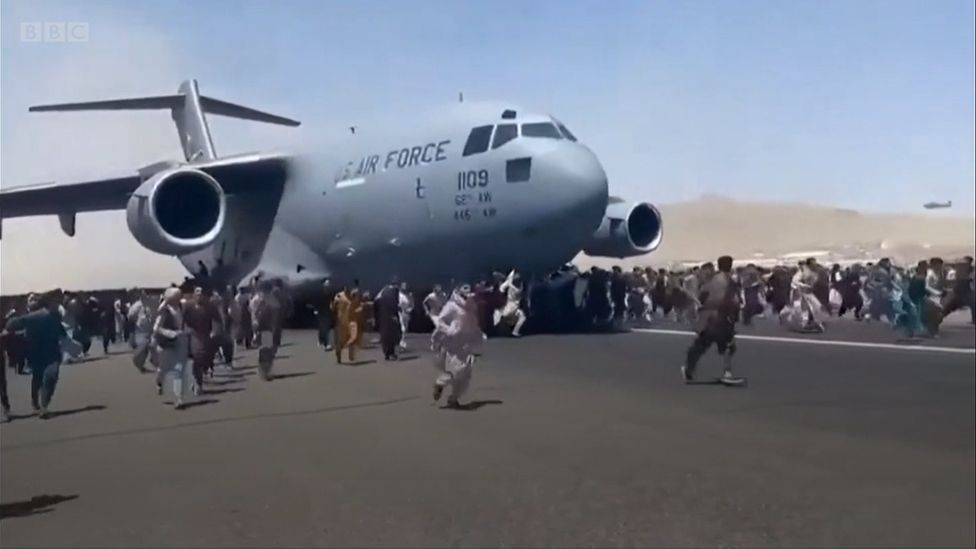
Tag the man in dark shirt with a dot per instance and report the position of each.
(779, 288)
(324, 312)
(387, 306)
(598, 302)
(719, 298)
(961, 290)
(4, 400)
(618, 296)
(200, 316)
(285, 302)
(849, 288)
(43, 331)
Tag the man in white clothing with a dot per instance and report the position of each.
(406, 308)
(170, 335)
(806, 311)
(512, 311)
(434, 302)
(455, 341)
(142, 316)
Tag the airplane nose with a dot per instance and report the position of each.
(576, 177)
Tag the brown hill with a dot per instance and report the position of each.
(705, 228)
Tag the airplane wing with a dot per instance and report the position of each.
(236, 174)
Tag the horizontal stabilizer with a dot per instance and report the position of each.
(223, 108)
(188, 109)
(209, 105)
(133, 104)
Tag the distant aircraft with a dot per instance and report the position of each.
(476, 188)
(937, 205)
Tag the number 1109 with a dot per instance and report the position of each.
(472, 179)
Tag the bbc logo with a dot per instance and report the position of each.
(53, 31)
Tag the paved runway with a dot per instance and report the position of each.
(583, 440)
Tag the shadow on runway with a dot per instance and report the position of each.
(231, 381)
(202, 402)
(276, 377)
(238, 370)
(282, 357)
(87, 360)
(221, 391)
(73, 411)
(234, 377)
(408, 358)
(36, 505)
(358, 363)
(327, 410)
(473, 405)
(717, 383)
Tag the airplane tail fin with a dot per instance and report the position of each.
(188, 109)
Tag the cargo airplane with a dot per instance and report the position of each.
(474, 188)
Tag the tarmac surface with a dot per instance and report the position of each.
(570, 440)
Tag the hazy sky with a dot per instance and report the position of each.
(857, 103)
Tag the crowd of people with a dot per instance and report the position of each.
(183, 332)
(803, 296)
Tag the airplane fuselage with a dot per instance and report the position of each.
(450, 201)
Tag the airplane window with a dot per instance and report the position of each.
(566, 133)
(509, 114)
(504, 134)
(540, 129)
(478, 140)
(518, 169)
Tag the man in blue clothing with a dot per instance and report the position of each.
(43, 331)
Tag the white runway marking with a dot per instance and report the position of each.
(829, 342)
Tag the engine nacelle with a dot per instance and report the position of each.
(627, 230)
(177, 211)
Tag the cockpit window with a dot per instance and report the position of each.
(478, 140)
(503, 134)
(566, 133)
(540, 129)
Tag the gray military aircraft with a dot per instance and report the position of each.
(937, 205)
(475, 188)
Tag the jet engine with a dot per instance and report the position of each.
(627, 230)
(177, 211)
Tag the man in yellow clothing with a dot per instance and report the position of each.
(348, 309)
